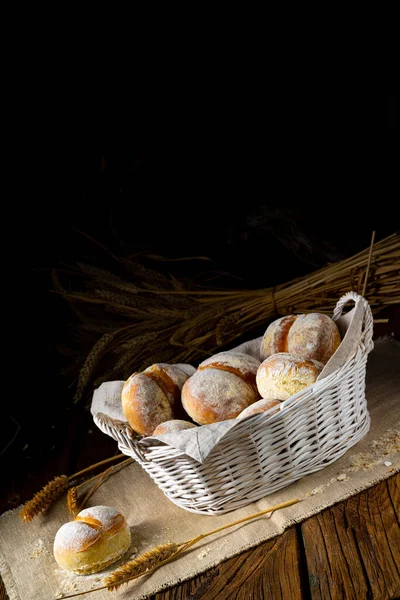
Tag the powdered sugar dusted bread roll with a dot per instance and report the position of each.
(95, 539)
(261, 406)
(173, 426)
(311, 335)
(221, 388)
(282, 375)
(153, 396)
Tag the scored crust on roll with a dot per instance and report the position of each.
(261, 406)
(221, 388)
(170, 378)
(282, 375)
(275, 338)
(145, 404)
(95, 539)
(153, 395)
(237, 363)
(312, 335)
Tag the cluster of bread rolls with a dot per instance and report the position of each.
(166, 398)
(294, 350)
(313, 335)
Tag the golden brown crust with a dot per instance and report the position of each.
(221, 388)
(96, 538)
(282, 375)
(110, 527)
(247, 377)
(275, 338)
(153, 396)
(145, 404)
(94, 523)
(314, 336)
(163, 380)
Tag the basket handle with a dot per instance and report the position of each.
(122, 433)
(368, 323)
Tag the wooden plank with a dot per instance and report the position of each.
(353, 549)
(380, 541)
(393, 485)
(261, 572)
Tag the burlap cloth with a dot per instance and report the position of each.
(30, 572)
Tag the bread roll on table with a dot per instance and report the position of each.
(221, 388)
(312, 335)
(282, 375)
(95, 539)
(153, 396)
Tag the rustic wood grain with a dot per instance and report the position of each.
(261, 572)
(353, 549)
(393, 485)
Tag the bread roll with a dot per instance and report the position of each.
(172, 426)
(221, 388)
(311, 335)
(282, 375)
(275, 337)
(314, 336)
(263, 405)
(95, 539)
(153, 396)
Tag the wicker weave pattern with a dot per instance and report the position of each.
(264, 453)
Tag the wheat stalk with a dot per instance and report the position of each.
(95, 465)
(148, 562)
(53, 490)
(43, 499)
(99, 480)
(72, 501)
(74, 506)
(164, 319)
(91, 361)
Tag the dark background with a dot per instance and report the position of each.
(267, 195)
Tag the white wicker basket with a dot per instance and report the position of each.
(264, 453)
